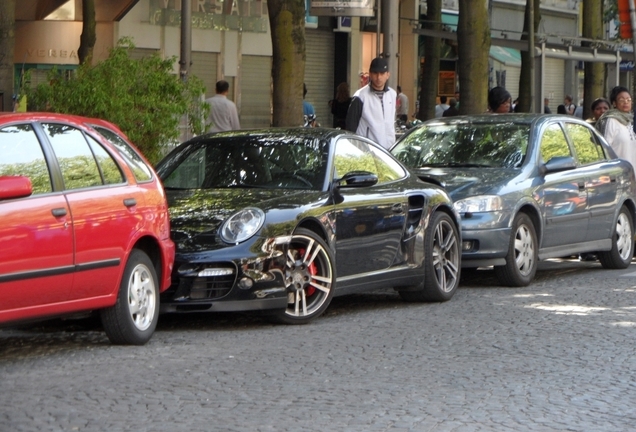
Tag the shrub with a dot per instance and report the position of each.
(143, 97)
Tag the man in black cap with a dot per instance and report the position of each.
(372, 109)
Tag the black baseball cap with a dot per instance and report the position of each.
(379, 64)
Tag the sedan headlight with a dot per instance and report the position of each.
(242, 225)
(483, 203)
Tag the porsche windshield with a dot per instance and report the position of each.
(248, 162)
(465, 145)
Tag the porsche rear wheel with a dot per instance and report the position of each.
(310, 278)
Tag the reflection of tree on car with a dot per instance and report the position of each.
(332, 213)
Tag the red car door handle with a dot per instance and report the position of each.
(59, 212)
(130, 202)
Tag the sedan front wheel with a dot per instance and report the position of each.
(521, 261)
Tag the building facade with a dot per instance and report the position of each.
(231, 40)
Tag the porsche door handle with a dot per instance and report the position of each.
(397, 208)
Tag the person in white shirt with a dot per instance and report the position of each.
(371, 113)
(223, 115)
(441, 107)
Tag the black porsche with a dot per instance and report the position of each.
(284, 219)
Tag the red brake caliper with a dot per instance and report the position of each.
(312, 270)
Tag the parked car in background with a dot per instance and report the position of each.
(83, 225)
(284, 219)
(528, 187)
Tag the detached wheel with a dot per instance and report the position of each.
(310, 277)
(620, 256)
(521, 261)
(133, 318)
(442, 259)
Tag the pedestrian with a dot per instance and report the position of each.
(452, 110)
(372, 109)
(339, 105)
(561, 109)
(569, 106)
(441, 106)
(616, 125)
(308, 109)
(402, 106)
(457, 99)
(598, 107)
(578, 112)
(499, 100)
(223, 115)
(546, 106)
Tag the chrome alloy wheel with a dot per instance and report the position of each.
(309, 277)
(142, 299)
(446, 256)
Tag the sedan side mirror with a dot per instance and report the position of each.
(15, 187)
(357, 179)
(558, 163)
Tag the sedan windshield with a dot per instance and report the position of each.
(464, 145)
(281, 162)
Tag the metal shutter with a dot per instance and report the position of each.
(319, 72)
(255, 109)
(554, 85)
(204, 67)
(139, 53)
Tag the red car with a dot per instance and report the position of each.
(83, 225)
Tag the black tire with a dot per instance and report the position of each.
(133, 318)
(442, 262)
(310, 276)
(522, 258)
(620, 256)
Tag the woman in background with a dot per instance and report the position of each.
(499, 101)
(599, 107)
(616, 125)
(340, 105)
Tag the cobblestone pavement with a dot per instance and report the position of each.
(555, 356)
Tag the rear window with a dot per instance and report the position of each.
(140, 170)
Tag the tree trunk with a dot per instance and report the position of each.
(594, 81)
(88, 37)
(287, 26)
(473, 43)
(7, 46)
(430, 69)
(525, 91)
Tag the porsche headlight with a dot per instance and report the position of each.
(483, 203)
(242, 225)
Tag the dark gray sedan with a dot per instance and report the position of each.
(528, 187)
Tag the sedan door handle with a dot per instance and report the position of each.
(397, 208)
(59, 212)
(581, 186)
(130, 202)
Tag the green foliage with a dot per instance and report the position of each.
(143, 97)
